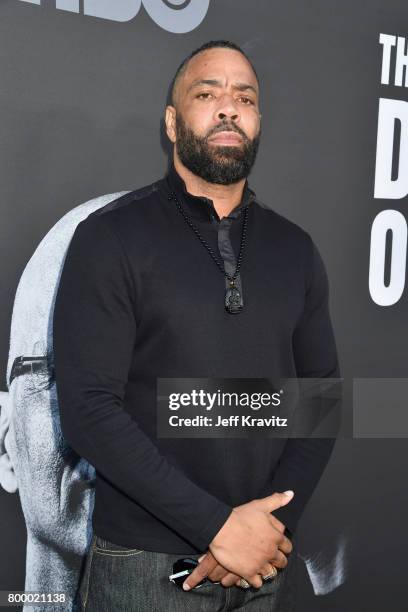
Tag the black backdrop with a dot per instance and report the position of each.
(81, 101)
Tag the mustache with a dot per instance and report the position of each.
(227, 127)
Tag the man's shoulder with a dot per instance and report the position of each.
(280, 224)
(131, 203)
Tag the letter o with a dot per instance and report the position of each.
(177, 20)
(393, 220)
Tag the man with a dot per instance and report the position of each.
(141, 299)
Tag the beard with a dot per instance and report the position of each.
(221, 164)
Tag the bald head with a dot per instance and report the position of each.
(190, 60)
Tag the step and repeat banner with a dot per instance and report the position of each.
(84, 85)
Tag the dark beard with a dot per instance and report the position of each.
(221, 164)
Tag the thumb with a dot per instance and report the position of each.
(276, 500)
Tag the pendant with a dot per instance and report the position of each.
(233, 301)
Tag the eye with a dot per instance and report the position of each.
(206, 95)
(247, 101)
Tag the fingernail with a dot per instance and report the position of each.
(186, 586)
(201, 558)
(289, 493)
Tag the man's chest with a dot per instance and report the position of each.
(181, 287)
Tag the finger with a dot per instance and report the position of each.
(276, 500)
(282, 541)
(200, 572)
(285, 545)
(277, 524)
(255, 581)
(279, 560)
(218, 573)
(267, 569)
(229, 579)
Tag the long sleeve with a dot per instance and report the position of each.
(94, 331)
(304, 460)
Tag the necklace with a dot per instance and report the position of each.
(233, 300)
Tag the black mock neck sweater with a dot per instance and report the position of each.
(140, 298)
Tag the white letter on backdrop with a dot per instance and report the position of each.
(393, 220)
(388, 111)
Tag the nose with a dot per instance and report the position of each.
(227, 108)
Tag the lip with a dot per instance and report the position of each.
(228, 137)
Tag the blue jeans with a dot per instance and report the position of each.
(119, 579)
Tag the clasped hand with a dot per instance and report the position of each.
(249, 543)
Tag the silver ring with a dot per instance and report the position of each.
(243, 583)
(272, 574)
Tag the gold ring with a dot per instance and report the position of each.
(243, 583)
(272, 574)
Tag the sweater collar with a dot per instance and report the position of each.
(201, 207)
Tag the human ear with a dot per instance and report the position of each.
(170, 120)
(7, 476)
